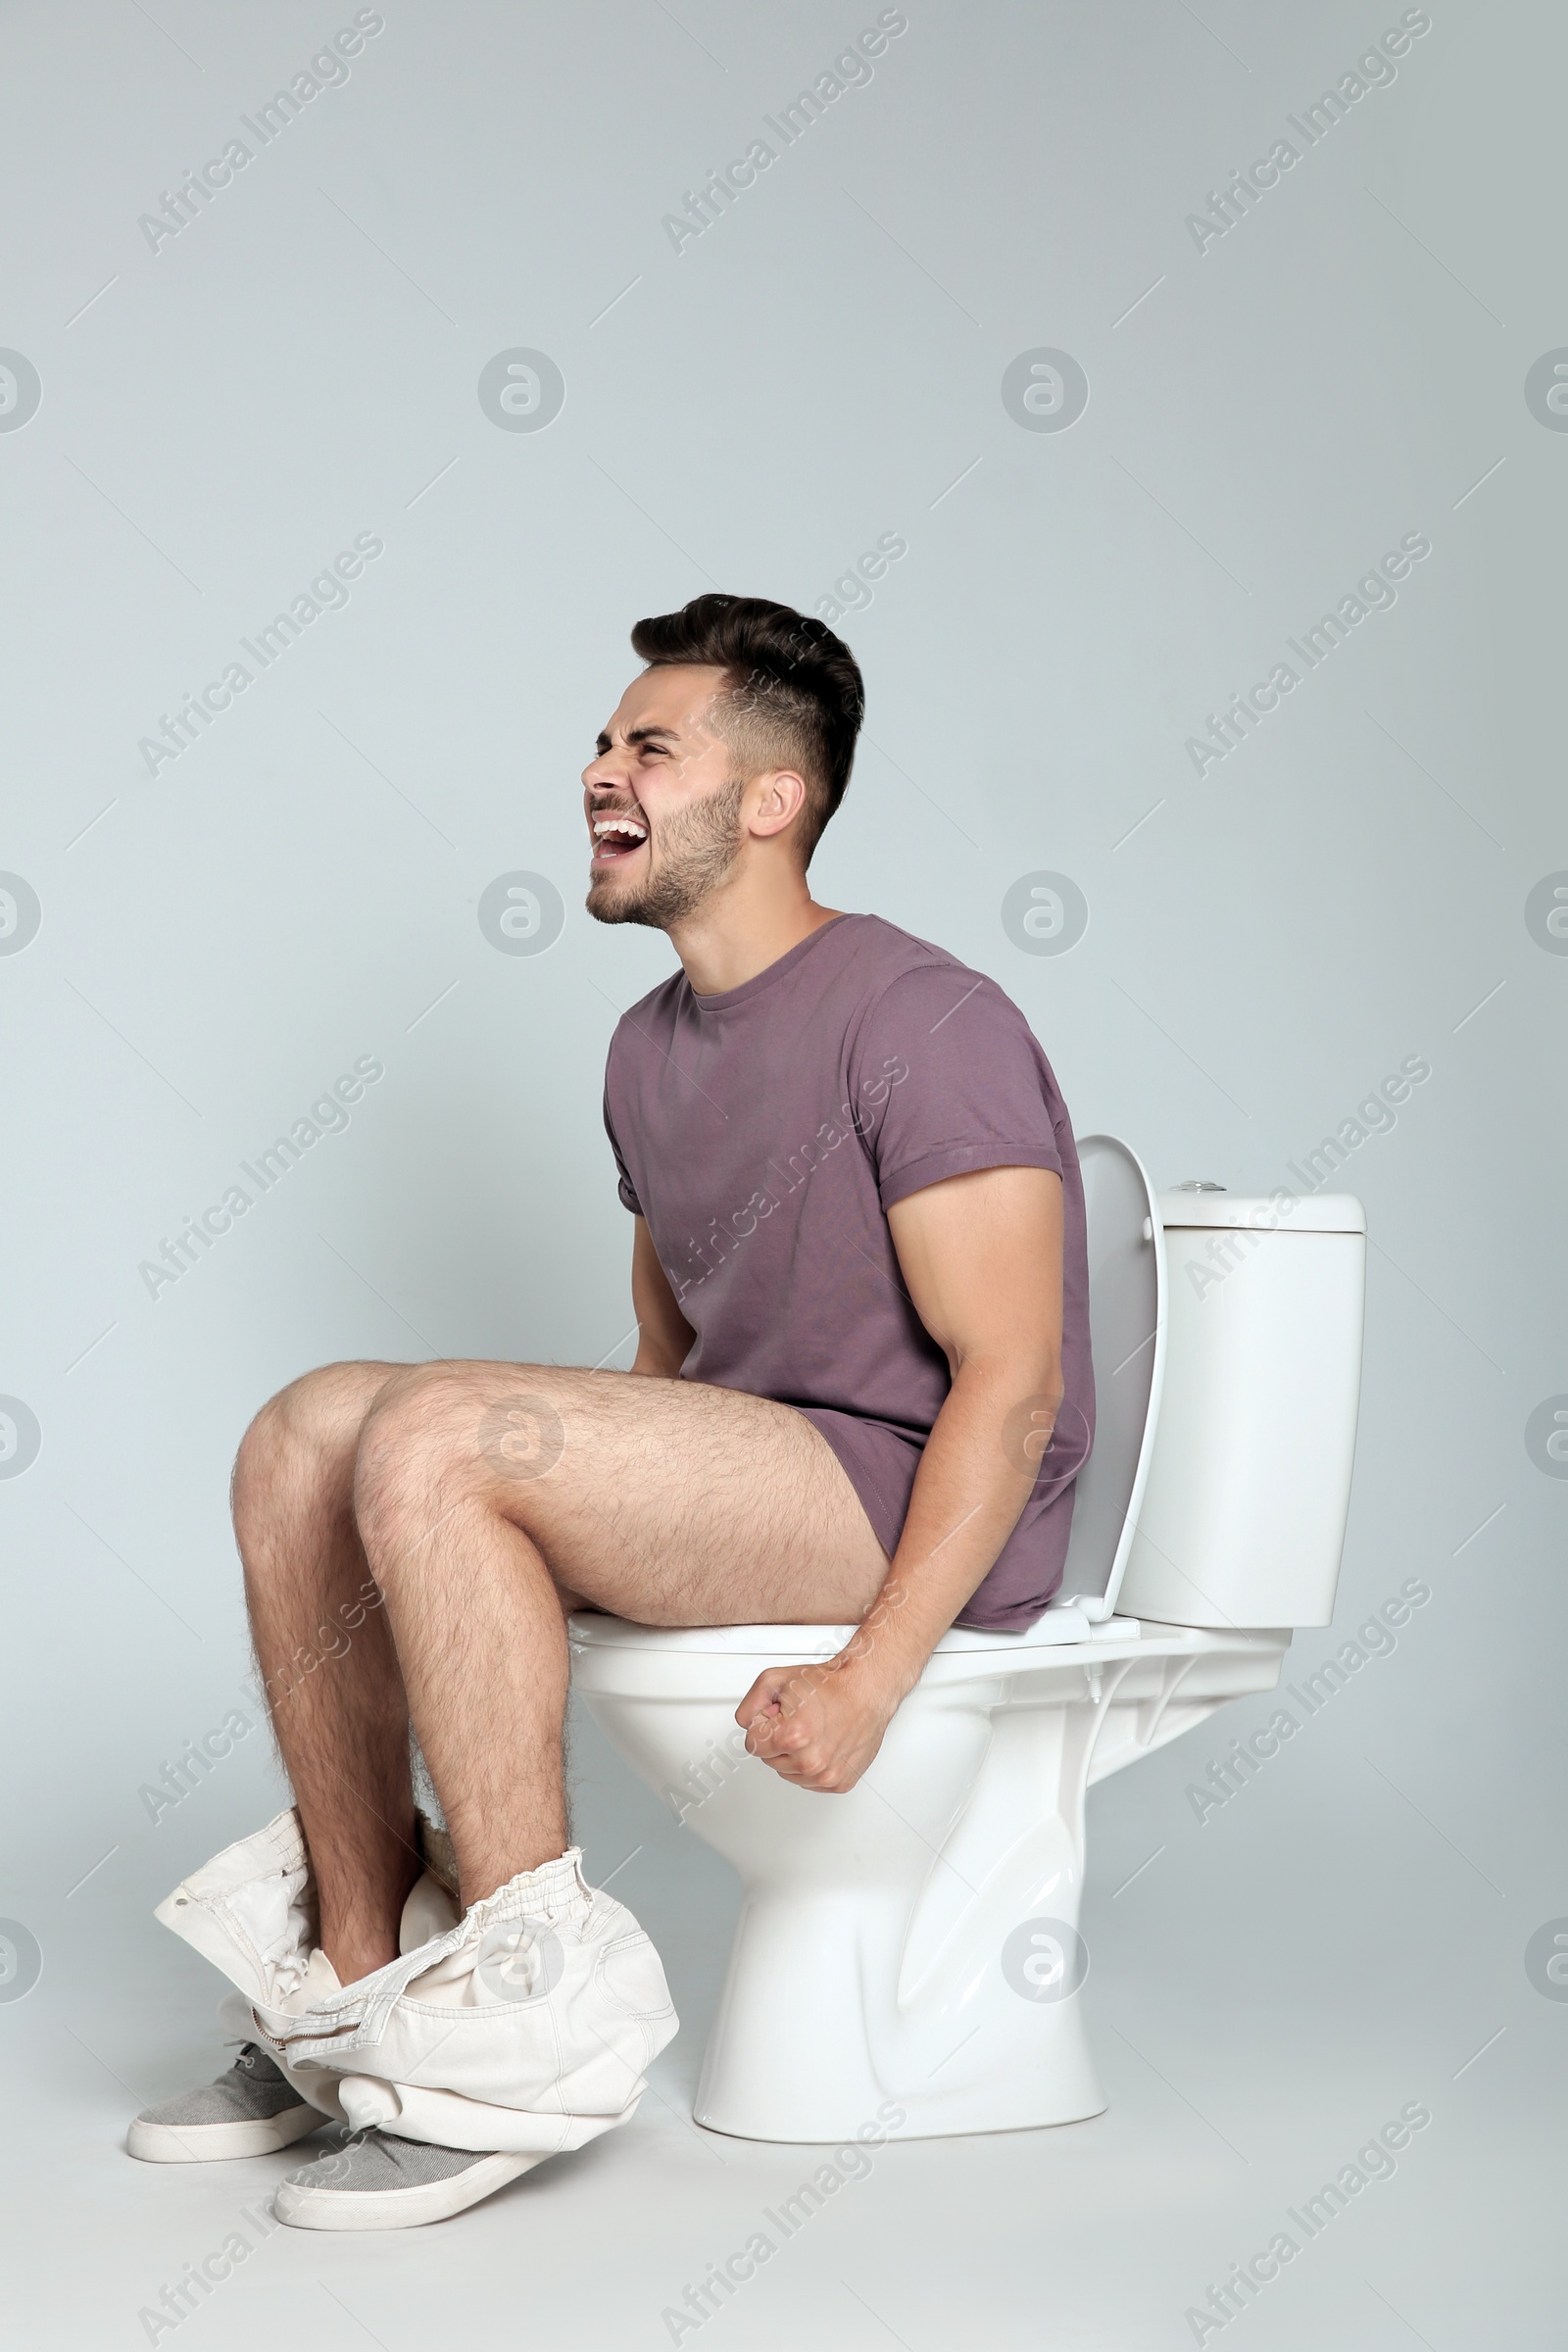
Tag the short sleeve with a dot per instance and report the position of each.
(624, 1184)
(949, 1078)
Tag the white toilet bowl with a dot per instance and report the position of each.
(917, 1938)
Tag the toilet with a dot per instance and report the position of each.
(916, 1939)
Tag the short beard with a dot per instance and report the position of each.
(697, 853)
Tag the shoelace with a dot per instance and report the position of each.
(248, 2054)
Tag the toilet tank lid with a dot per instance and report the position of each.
(1317, 1212)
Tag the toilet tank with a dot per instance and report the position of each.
(1243, 1517)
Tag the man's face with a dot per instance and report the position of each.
(661, 800)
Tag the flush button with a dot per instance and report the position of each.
(1198, 1184)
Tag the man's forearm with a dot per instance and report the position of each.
(975, 1476)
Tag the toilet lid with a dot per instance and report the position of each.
(1127, 1331)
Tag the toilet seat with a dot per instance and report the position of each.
(1054, 1629)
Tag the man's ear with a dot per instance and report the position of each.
(781, 796)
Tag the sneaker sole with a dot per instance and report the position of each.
(213, 2143)
(307, 2208)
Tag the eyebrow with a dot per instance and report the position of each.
(635, 735)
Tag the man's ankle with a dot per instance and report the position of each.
(353, 1957)
(491, 1873)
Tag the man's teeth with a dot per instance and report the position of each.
(625, 825)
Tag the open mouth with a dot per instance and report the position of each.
(617, 837)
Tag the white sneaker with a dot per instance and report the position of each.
(247, 2112)
(377, 2180)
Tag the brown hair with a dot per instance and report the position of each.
(793, 695)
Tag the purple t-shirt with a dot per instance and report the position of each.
(764, 1133)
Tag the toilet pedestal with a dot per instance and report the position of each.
(919, 1947)
(807, 2044)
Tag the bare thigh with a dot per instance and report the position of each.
(666, 1502)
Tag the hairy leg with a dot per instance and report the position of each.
(334, 1687)
(490, 1497)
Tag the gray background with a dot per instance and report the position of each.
(1265, 942)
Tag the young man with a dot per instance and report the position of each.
(862, 1391)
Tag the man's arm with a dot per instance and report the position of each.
(663, 1335)
(982, 1256)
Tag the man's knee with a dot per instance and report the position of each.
(419, 1440)
(438, 1434)
(310, 1427)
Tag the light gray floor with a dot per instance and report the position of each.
(1253, 2030)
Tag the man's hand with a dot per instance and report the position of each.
(818, 1726)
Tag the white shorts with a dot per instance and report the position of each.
(525, 2027)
